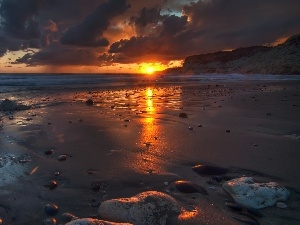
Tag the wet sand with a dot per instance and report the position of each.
(132, 140)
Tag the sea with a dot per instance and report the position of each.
(12, 81)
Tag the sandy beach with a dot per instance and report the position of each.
(132, 140)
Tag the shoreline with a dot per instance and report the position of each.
(133, 140)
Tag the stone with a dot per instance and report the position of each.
(189, 187)
(52, 185)
(89, 102)
(147, 208)
(49, 152)
(62, 158)
(183, 115)
(49, 221)
(90, 221)
(51, 209)
(191, 128)
(8, 105)
(209, 170)
(253, 195)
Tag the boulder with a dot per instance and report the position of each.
(147, 208)
(90, 221)
(253, 195)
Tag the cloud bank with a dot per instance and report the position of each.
(100, 32)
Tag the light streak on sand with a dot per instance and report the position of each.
(33, 171)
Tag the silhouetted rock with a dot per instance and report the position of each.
(209, 170)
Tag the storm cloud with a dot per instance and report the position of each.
(104, 32)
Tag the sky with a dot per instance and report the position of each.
(133, 36)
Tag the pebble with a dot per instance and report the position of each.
(62, 158)
(183, 115)
(51, 209)
(227, 131)
(166, 183)
(199, 125)
(49, 221)
(89, 102)
(191, 128)
(209, 170)
(281, 205)
(189, 187)
(49, 152)
(52, 185)
(57, 173)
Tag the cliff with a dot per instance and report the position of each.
(281, 59)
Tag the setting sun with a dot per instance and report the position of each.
(150, 70)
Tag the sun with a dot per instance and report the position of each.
(149, 70)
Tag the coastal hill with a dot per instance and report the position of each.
(281, 59)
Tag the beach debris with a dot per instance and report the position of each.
(52, 185)
(227, 131)
(146, 208)
(253, 195)
(90, 221)
(9, 105)
(49, 152)
(281, 205)
(89, 102)
(62, 157)
(189, 187)
(209, 170)
(200, 125)
(191, 128)
(49, 221)
(51, 209)
(67, 217)
(183, 115)
(245, 218)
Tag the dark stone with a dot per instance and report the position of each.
(189, 187)
(51, 209)
(217, 178)
(62, 158)
(209, 170)
(89, 102)
(49, 152)
(183, 115)
(52, 185)
(227, 131)
(49, 221)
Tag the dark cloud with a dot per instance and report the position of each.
(89, 32)
(213, 25)
(55, 54)
(147, 16)
(18, 18)
(65, 30)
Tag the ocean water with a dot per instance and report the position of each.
(11, 81)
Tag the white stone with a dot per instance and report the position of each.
(89, 221)
(249, 194)
(147, 208)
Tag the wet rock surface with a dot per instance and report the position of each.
(147, 208)
(253, 195)
(90, 221)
